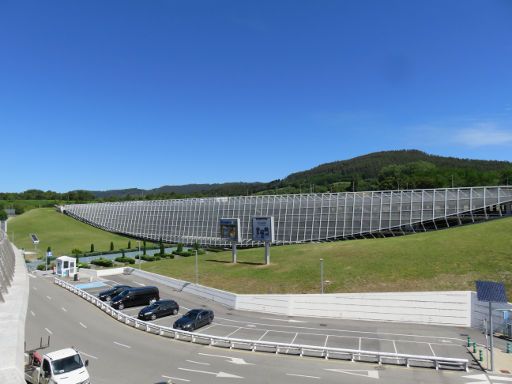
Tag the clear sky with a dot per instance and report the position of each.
(114, 94)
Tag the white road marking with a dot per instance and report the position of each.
(306, 376)
(197, 362)
(286, 320)
(432, 349)
(64, 309)
(262, 336)
(83, 325)
(175, 378)
(86, 354)
(357, 372)
(348, 331)
(142, 285)
(360, 342)
(394, 346)
(291, 342)
(208, 327)
(233, 360)
(122, 345)
(251, 325)
(32, 313)
(216, 374)
(48, 297)
(483, 378)
(236, 330)
(32, 276)
(326, 339)
(34, 288)
(47, 330)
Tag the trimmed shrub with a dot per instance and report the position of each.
(147, 258)
(125, 259)
(102, 262)
(41, 267)
(84, 265)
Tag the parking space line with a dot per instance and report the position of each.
(208, 327)
(394, 346)
(142, 285)
(432, 349)
(122, 345)
(86, 354)
(360, 342)
(236, 330)
(83, 325)
(48, 297)
(296, 334)
(64, 309)
(47, 330)
(262, 336)
(32, 313)
(326, 339)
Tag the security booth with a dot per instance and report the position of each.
(66, 266)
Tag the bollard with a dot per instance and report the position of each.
(474, 346)
(469, 341)
(481, 357)
(509, 348)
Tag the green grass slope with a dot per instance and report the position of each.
(59, 231)
(451, 259)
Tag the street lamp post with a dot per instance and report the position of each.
(197, 270)
(322, 276)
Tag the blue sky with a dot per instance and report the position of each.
(115, 94)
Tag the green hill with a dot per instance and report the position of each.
(59, 231)
(450, 259)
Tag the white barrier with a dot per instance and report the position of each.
(436, 362)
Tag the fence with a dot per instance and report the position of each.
(7, 262)
(436, 362)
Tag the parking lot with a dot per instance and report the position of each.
(357, 335)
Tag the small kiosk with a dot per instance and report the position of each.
(66, 266)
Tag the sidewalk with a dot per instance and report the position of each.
(502, 361)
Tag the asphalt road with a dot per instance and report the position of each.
(122, 354)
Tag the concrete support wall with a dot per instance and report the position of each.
(223, 297)
(12, 323)
(442, 308)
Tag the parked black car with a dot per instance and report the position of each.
(159, 308)
(112, 292)
(194, 319)
(135, 296)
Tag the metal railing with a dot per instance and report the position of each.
(436, 362)
(7, 263)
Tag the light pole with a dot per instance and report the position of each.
(321, 276)
(197, 270)
(138, 243)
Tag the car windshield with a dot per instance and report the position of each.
(192, 313)
(153, 306)
(124, 293)
(67, 364)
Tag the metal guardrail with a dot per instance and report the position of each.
(7, 263)
(436, 362)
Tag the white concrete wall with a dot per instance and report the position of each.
(94, 273)
(223, 297)
(443, 308)
(12, 324)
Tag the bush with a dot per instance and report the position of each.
(102, 262)
(125, 259)
(147, 258)
(167, 256)
(84, 265)
(185, 253)
(41, 267)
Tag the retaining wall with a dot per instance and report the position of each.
(12, 321)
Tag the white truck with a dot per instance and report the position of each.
(64, 366)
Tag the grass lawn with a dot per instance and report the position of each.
(61, 232)
(445, 260)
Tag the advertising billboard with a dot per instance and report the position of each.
(263, 229)
(230, 230)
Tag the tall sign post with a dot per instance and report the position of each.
(263, 230)
(491, 292)
(230, 230)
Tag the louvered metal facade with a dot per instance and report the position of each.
(302, 217)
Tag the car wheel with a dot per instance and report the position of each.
(174, 311)
(121, 306)
(153, 317)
